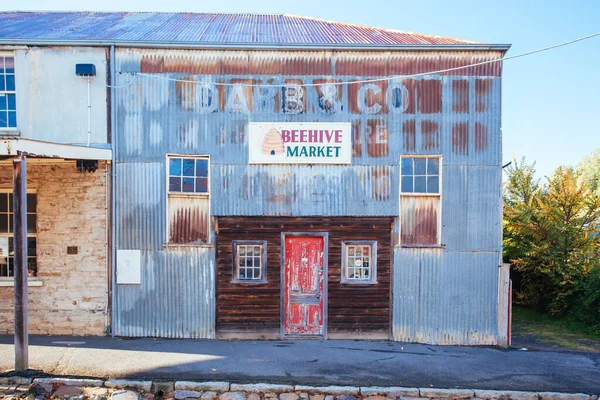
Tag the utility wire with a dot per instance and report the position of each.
(389, 78)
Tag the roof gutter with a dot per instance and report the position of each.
(255, 46)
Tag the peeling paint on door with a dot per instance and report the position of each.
(303, 286)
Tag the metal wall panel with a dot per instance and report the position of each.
(176, 298)
(440, 295)
(445, 297)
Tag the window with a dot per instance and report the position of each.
(8, 97)
(6, 234)
(359, 262)
(249, 261)
(188, 175)
(420, 201)
(420, 175)
(188, 199)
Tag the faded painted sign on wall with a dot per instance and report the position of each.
(299, 143)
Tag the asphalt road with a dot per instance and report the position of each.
(339, 362)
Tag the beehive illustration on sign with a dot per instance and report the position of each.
(272, 143)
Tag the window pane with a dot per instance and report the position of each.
(12, 119)
(2, 86)
(3, 119)
(202, 167)
(433, 166)
(2, 65)
(350, 250)
(433, 184)
(188, 167)
(407, 184)
(31, 223)
(242, 250)
(420, 184)
(175, 166)
(3, 202)
(201, 185)
(12, 102)
(174, 184)
(10, 82)
(31, 202)
(257, 250)
(31, 247)
(420, 166)
(242, 273)
(187, 185)
(407, 166)
(3, 102)
(10, 65)
(10, 223)
(4, 223)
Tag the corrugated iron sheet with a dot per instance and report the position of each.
(455, 116)
(276, 29)
(445, 297)
(176, 298)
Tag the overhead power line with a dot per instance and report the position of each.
(388, 78)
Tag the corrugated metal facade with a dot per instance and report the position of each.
(446, 295)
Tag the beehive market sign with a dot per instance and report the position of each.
(299, 143)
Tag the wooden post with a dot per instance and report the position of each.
(20, 263)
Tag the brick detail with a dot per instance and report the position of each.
(70, 212)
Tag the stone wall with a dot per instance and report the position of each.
(71, 211)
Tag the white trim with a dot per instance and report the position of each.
(36, 148)
(11, 282)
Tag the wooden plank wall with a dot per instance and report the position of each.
(253, 310)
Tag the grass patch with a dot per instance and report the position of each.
(562, 332)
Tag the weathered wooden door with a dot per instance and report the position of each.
(303, 286)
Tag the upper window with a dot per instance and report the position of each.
(8, 96)
(359, 262)
(250, 261)
(6, 235)
(188, 175)
(420, 201)
(420, 175)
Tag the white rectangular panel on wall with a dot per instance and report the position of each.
(128, 267)
(300, 143)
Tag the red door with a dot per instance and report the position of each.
(303, 286)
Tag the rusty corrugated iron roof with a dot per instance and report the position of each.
(203, 29)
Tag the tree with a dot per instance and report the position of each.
(551, 234)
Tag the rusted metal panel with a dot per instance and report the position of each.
(445, 297)
(419, 219)
(303, 285)
(176, 298)
(188, 218)
(205, 28)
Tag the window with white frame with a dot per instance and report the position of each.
(420, 200)
(188, 199)
(8, 94)
(359, 262)
(249, 261)
(7, 238)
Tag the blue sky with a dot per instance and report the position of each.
(551, 101)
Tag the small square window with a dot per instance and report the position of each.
(249, 261)
(359, 262)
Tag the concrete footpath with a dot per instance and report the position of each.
(316, 363)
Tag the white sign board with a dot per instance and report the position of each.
(128, 267)
(300, 143)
